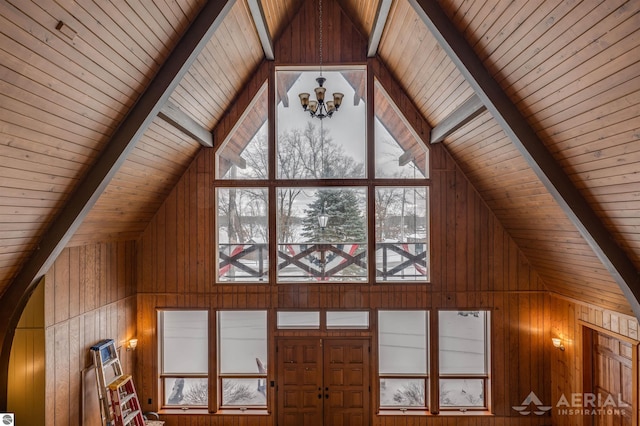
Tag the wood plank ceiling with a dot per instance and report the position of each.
(72, 70)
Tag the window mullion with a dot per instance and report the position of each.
(434, 366)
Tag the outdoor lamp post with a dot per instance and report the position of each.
(323, 218)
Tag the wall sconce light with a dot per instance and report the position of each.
(557, 343)
(132, 345)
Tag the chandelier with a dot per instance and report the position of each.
(318, 107)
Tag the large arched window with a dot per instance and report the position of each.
(339, 199)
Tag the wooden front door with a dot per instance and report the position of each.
(613, 379)
(323, 382)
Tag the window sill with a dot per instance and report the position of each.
(201, 411)
(451, 413)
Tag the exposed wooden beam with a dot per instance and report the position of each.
(533, 150)
(94, 183)
(378, 27)
(470, 109)
(257, 13)
(173, 115)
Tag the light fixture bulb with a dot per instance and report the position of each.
(133, 344)
(557, 343)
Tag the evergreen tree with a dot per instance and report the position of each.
(346, 222)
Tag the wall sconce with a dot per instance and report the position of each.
(557, 343)
(132, 344)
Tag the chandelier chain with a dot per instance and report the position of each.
(320, 20)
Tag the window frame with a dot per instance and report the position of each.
(163, 376)
(433, 376)
(219, 377)
(485, 377)
(369, 181)
(393, 376)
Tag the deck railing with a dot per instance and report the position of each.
(340, 262)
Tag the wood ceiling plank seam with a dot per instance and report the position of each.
(623, 158)
(70, 141)
(398, 14)
(26, 202)
(478, 27)
(560, 38)
(460, 140)
(624, 190)
(470, 15)
(31, 146)
(51, 76)
(194, 107)
(18, 159)
(54, 239)
(164, 30)
(595, 283)
(601, 177)
(177, 152)
(160, 171)
(250, 43)
(42, 178)
(614, 87)
(437, 70)
(119, 21)
(26, 185)
(50, 119)
(455, 120)
(488, 138)
(591, 128)
(457, 10)
(451, 97)
(532, 49)
(157, 166)
(612, 135)
(27, 195)
(144, 172)
(525, 34)
(171, 140)
(502, 31)
(190, 8)
(214, 54)
(49, 40)
(175, 15)
(193, 100)
(222, 47)
(23, 89)
(105, 47)
(590, 65)
(413, 37)
(457, 99)
(181, 121)
(606, 115)
(237, 35)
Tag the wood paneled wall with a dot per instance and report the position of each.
(89, 296)
(475, 265)
(569, 318)
(26, 382)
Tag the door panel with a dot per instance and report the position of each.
(613, 373)
(300, 382)
(346, 367)
(323, 382)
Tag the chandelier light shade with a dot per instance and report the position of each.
(317, 107)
